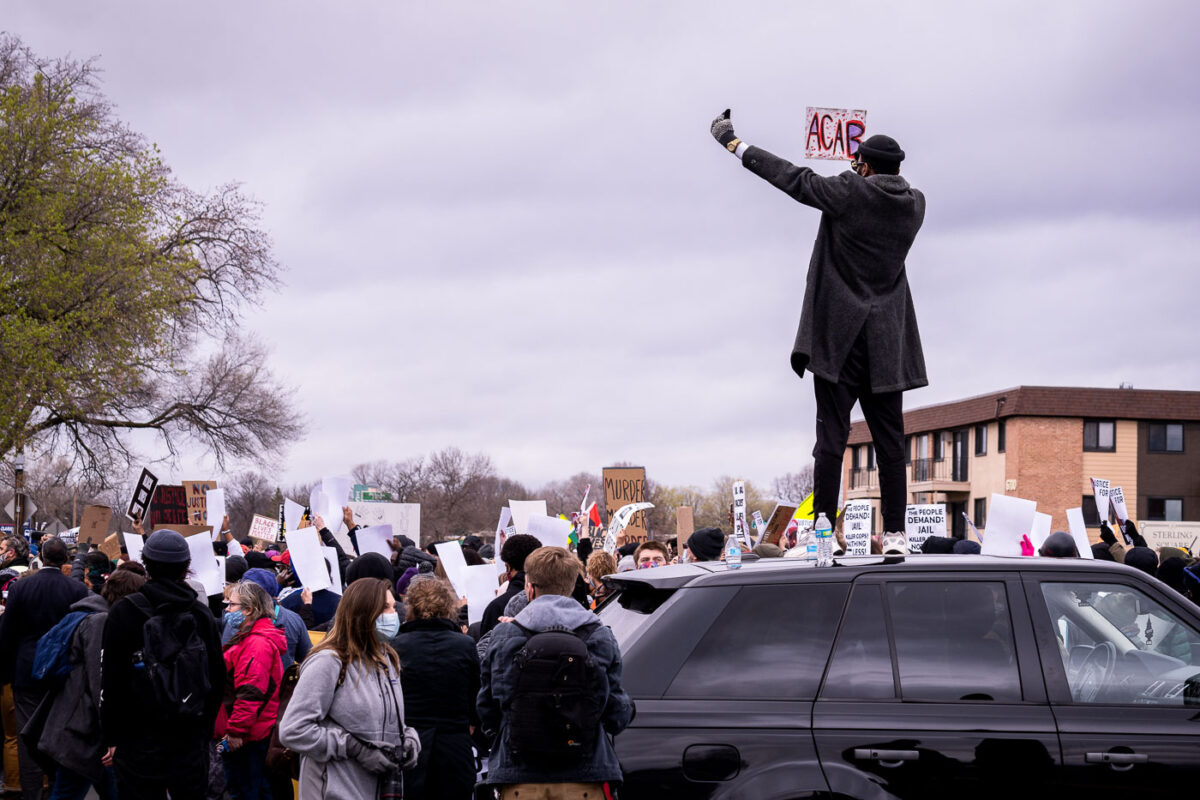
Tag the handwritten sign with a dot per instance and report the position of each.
(833, 133)
(93, 527)
(139, 504)
(264, 529)
(739, 512)
(624, 486)
(685, 526)
(168, 506)
(197, 502)
(1100, 491)
(856, 527)
(923, 521)
(1116, 496)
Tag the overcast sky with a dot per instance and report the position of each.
(505, 225)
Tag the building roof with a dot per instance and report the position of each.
(1047, 401)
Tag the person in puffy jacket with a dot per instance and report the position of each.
(254, 665)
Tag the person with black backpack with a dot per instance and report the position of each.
(550, 692)
(162, 680)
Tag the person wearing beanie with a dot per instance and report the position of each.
(1142, 558)
(235, 568)
(514, 552)
(371, 565)
(858, 331)
(706, 544)
(1102, 552)
(1059, 544)
(938, 545)
(967, 547)
(1170, 572)
(404, 580)
(151, 753)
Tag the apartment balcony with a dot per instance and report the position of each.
(933, 475)
(864, 484)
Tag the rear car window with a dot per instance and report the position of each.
(862, 661)
(769, 642)
(632, 610)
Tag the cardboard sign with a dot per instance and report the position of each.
(777, 523)
(143, 491)
(624, 486)
(184, 530)
(168, 506)
(1171, 534)
(833, 133)
(1100, 490)
(923, 521)
(1116, 496)
(685, 526)
(197, 502)
(93, 528)
(856, 527)
(740, 529)
(111, 547)
(264, 528)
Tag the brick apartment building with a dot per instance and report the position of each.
(1044, 443)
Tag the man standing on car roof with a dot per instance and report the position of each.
(858, 330)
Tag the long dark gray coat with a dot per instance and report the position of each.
(856, 277)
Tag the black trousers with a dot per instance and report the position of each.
(885, 418)
(25, 703)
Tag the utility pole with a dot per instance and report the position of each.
(18, 494)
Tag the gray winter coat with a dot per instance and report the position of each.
(322, 716)
(497, 682)
(72, 733)
(856, 278)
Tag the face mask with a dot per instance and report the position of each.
(234, 618)
(387, 625)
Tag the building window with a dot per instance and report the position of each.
(980, 515)
(870, 456)
(1090, 518)
(908, 450)
(939, 446)
(981, 440)
(1099, 435)
(1169, 509)
(1000, 436)
(1166, 437)
(855, 457)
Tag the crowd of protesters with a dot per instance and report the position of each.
(125, 678)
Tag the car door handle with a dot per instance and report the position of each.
(1118, 761)
(886, 758)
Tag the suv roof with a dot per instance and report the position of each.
(755, 570)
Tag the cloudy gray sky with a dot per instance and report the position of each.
(506, 227)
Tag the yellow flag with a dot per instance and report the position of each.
(805, 509)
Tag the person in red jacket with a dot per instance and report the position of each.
(254, 666)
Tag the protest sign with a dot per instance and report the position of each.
(1100, 491)
(375, 539)
(168, 506)
(263, 528)
(308, 562)
(481, 589)
(501, 524)
(778, 522)
(111, 547)
(624, 486)
(214, 515)
(204, 562)
(331, 564)
(337, 488)
(405, 518)
(550, 531)
(740, 530)
(1040, 530)
(455, 565)
(856, 527)
(133, 546)
(833, 133)
(685, 526)
(1171, 534)
(293, 514)
(197, 501)
(143, 491)
(1079, 532)
(522, 510)
(759, 525)
(184, 530)
(618, 524)
(1116, 496)
(923, 521)
(1010, 519)
(93, 527)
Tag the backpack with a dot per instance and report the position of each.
(52, 660)
(174, 660)
(554, 715)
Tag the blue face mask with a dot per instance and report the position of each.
(234, 618)
(387, 625)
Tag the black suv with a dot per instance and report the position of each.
(914, 677)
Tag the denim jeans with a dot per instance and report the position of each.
(70, 785)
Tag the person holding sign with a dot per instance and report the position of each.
(858, 331)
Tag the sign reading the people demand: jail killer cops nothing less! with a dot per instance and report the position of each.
(923, 521)
(856, 527)
(833, 133)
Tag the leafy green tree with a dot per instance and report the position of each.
(121, 290)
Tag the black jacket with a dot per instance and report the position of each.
(147, 746)
(495, 609)
(35, 605)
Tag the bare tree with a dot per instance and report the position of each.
(793, 487)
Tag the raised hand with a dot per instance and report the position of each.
(722, 129)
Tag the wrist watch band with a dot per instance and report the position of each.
(733, 144)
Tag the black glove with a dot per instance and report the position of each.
(1131, 532)
(372, 758)
(1106, 534)
(722, 129)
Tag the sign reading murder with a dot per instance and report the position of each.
(739, 513)
(168, 506)
(139, 504)
(197, 503)
(833, 133)
(923, 521)
(264, 528)
(856, 527)
(623, 486)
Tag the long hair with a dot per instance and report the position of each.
(353, 637)
(255, 603)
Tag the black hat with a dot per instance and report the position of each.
(1059, 544)
(1142, 558)
(881, 148)
(966, 547)
(706, 544)
(167, 547)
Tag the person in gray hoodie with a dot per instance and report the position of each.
(346, 715)
(550, 574)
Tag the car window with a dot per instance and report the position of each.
(1118, 645)
(769, 642)
(954, 641)
(861, 668)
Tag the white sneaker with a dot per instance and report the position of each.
(895, 544)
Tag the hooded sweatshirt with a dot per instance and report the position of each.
(254, 670)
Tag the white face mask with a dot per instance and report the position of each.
(387, 624)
